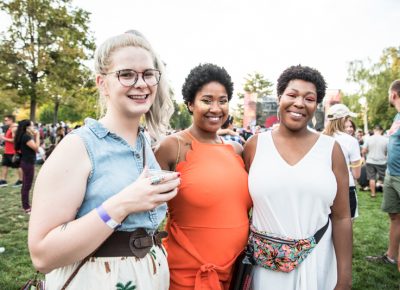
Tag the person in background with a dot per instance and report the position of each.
(111, 206)
(27, 142)
(257, 129)
(247, 133)
(350, 127)
(375, 150)
(228, 132)
(52, 133)
(208, 220)
(60, 134)
(391, 184)
(41, 154)
(1, 135)
(39, 127)
(9, 152)
(337, 116)
(360, 137)
(299, 183)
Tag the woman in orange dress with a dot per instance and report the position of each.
(208, 219)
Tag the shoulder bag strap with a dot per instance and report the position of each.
(320, 233)
(144, 150)
(69, 280)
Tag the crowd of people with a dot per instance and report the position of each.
(288, 193)
(26, 144)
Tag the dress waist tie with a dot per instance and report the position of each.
(206, 269)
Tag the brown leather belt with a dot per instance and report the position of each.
(124, 244)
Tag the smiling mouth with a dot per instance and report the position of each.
(138, 97)
(295, 114)
(214, 118)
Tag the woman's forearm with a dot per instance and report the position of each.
(343, 243)
(69, 242)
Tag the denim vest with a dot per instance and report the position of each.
(115, 165)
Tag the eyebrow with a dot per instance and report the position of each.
(307, 93)
(211, 96)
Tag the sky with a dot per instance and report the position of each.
(254, 35)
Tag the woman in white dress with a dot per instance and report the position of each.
(298, 179)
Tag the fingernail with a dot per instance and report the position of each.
(179, 174)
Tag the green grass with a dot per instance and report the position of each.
(15, 264)
(371, 230)
(370, 238)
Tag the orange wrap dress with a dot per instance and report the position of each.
(208, 220)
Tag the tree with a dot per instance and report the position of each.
(85, 104)
(374, 81)
(256, 83)
(44, 48)
(239, 112)
(181, 119)
(7, 102)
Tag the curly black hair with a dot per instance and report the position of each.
(305, 73)
(202, 75)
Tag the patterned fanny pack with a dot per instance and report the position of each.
(279, 253)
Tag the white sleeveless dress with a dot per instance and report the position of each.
(294, 201)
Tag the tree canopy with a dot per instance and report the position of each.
(43, 52)
(373, 81)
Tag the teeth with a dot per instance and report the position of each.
(141, 97)
(296, 114)
(213, 118)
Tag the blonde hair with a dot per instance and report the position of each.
(157, 118)
(334, 126)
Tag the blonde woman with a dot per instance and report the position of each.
(93, 196)
(337, 116)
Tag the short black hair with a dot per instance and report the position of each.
(202, 75)
(305, 73)
(11, 117)
(395, 87)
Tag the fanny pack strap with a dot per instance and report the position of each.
(320, 233)
(317, 237)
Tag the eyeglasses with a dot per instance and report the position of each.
(129, 77)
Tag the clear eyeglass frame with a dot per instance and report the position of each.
(129, 77)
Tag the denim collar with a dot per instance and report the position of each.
(96, 127)
(101, 132)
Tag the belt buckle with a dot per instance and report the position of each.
(139, 252)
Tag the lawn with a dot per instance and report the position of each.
(370, 237)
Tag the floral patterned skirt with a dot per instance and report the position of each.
(115, 273)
